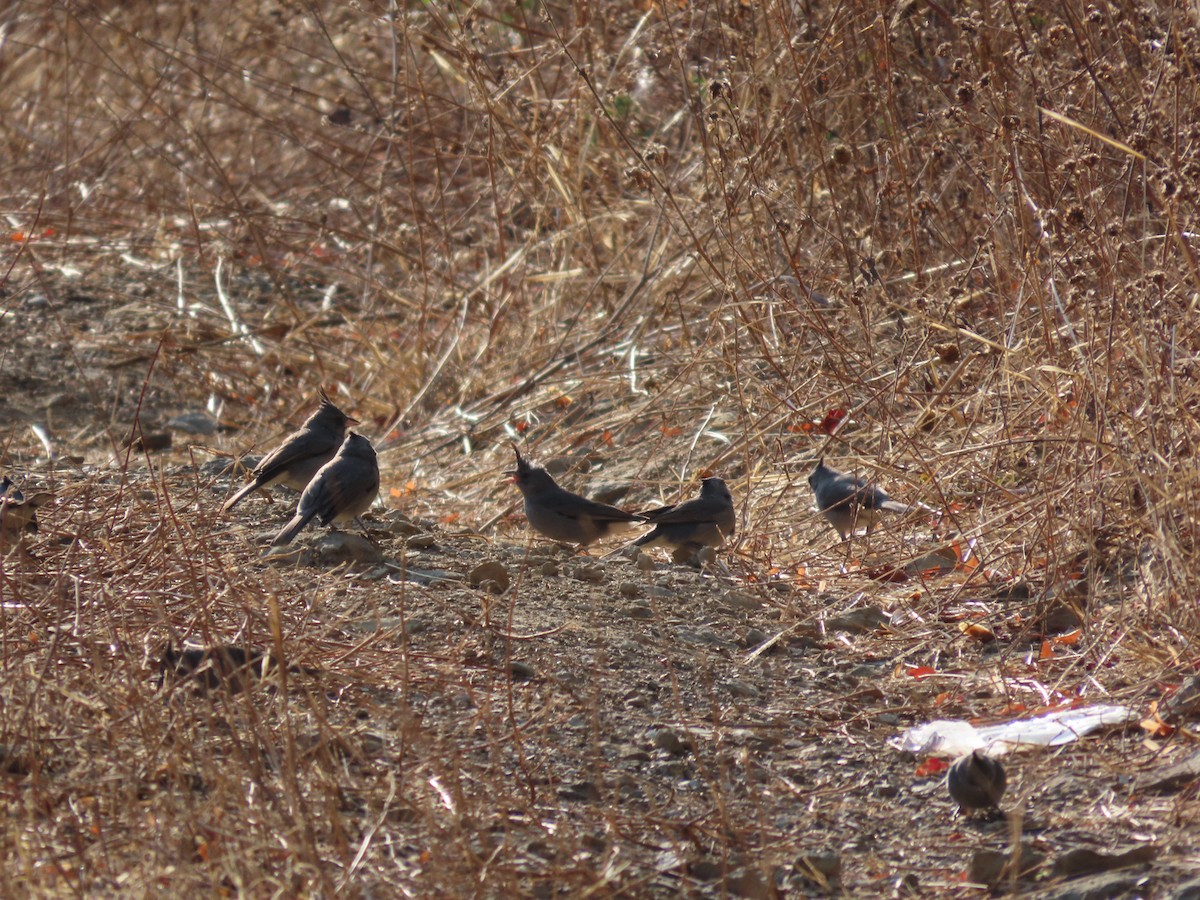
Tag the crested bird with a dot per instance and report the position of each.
(560, 515)
(848, 502)
(298, 457)
(341, 491)
(976, 781)
(686, 528)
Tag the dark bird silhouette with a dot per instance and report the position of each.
(341, 491)
(296, 460)
(976, 781)
(686, 528)
(558, 514)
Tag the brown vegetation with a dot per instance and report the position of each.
(647, 241)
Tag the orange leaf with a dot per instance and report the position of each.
(976, 632)
(671, 430)
(933, 765)
(564, 400)
(1047, 651)
(410, 487)
(1156, 727)
(449, 518)
(1070, 638)
(920, 672)
(607, 438)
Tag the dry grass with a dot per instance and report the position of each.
(649, 240)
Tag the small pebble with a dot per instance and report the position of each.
(490, 575)
(520, 671)
(672, 741)
(741, 600)
(400, 525)
(754, 637)
(743, 689)
(590, 574)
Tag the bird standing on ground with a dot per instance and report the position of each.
(341, 491)
(560, 515)
(849, 503)
(295, 461)
(976, 781)
(686, 528)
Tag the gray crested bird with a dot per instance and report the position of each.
(341, 491)
(849, 503)
(686, 528)
(558, 514)
(296, 460)
(976, 781)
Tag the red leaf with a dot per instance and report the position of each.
(932, 765)
(832, 420)
(920, 672)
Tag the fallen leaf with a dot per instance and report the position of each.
(977, 632)
(932, 765)
(920, 672)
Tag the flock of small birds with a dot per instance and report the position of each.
(337, 472)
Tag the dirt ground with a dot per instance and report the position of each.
(601, 725)
(948, 247)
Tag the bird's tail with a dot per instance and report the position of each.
(291, 529)
(905, 509)
(239, 496)
(646, 538)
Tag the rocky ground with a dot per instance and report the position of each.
(476, 703)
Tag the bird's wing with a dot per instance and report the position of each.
(575, 507)
(684, 513)
(337, 495)
(297, 447)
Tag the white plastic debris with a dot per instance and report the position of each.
(954, 738)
